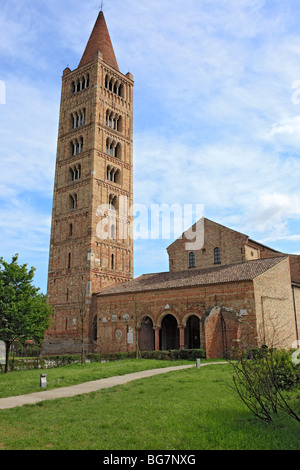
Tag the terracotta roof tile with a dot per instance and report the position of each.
(246, 271)
(100, 41)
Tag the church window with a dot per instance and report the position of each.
(75, 173)
(80, 84)
(112, 202)
(114, 86)
(113, 148)
(77, 146)
(73, 201)
(217, 255)
(113, 175)
(114, 121)
(112, 262)
(118, 149)
(78, 119)
(192, 260)
(70, 230)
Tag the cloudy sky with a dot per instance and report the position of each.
(216, 113)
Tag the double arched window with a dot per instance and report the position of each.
(113, 174)
(75, 173)
(77, 146)
(113, 148)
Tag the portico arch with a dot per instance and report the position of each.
(146, 337)
(192, 332)
(169, 333)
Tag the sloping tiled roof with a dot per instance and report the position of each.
(100, 41)
(246, 271)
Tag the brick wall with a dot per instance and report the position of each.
(116, 314)
(230, 242)
(274, 307)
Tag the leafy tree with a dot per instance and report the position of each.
(24, 313)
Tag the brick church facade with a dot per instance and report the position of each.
(230, 290)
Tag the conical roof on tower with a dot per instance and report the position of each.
(100, 41)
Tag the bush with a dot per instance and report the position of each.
(43, 362)
(262, 383)
(159, 355)
(187, 354)
(285, 372)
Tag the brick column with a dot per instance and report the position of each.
(181, 336)
(156, 338)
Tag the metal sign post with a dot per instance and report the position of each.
(2, 352)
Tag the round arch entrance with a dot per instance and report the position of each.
(146, 335)
(192, 333)
(169, 333)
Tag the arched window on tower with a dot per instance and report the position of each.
(69, 260)
(73, 201)
(75, 173)
(118, 151)
(113, 200)
(77, 146)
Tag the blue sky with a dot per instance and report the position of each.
(216, 113)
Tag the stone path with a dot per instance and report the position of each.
(87, 387)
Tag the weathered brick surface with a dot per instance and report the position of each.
(229, 313)
(275, 314)
(82, 261)
(127, 311)
(234, 247)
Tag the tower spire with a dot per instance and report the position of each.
(100, 41)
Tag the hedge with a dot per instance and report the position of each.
(44, 362)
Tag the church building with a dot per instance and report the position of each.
(228, 291)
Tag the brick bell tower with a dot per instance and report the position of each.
(90, 247)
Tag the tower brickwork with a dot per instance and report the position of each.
(90, 246)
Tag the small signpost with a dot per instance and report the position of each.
(43, 381)
(2, 352)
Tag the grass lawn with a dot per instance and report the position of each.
(28, 381)
(184, 410)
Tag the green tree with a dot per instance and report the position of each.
(24, 312)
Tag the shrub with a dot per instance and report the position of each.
(188, 354)
(262, 382)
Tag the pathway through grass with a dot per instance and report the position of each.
(185, 410)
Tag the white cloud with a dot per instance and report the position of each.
(215, 122)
